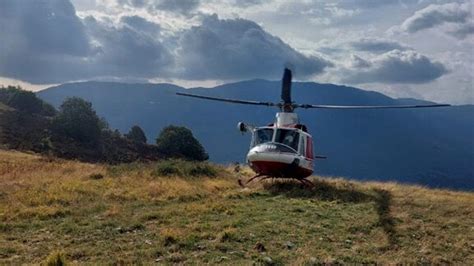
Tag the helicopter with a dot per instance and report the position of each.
(284, 148)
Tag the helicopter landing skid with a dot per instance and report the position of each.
(242, 184)
(306, 182)
(303, 181)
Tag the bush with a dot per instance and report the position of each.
(167, 168)
(184, 169)
(55, 259)
(202, 170)
(179, 142)
(96, 176)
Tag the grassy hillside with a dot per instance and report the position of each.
(175, 212)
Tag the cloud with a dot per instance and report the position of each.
(177, 6)
(182, 6)
(53, 22)
(38, 36)
(358, 62)
(247, 3)
(239, 48)
(462, 31)
(376, 45)
(140, 24)
(367, 4)
(132, 49)
(435, 15)
(394, 67)
(133, 3)
(45, 42)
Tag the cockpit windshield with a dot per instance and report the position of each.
(288, 137)
(263, 135)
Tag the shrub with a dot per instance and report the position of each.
(228, 235)
(202, 170)
(167, 168)
(96, 176)
(184, 168)
(55, 259)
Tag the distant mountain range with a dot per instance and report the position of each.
(433, 147)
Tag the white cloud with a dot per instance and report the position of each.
(376, 45)
(436, 15)
(395, 67)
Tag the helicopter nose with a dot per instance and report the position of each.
(271, 151)
(272, 147)
(272, 159)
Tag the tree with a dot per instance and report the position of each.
(175, 141)
(136, 134)
(78, 120)
(25, 101)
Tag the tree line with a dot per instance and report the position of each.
(75, 131)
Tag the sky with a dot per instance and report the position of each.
(403, 48)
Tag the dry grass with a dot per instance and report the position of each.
(132, 214)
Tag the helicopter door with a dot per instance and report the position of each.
(302, 145)
(288, 137)
(309, 147)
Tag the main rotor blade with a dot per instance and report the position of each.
(227, 99)
(347, 107)
(286, 86)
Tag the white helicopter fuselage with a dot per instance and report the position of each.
(282, 149)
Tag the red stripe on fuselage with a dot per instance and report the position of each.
(279, 169)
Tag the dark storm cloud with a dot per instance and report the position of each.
(53, 22)
(396, 67)
(434, 15)
(37, 37)
(239, 48)
(128, 51)
(45, 42)
(376, 45)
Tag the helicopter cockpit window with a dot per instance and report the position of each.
(288, 137)
(263, 135)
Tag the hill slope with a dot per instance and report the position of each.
(430, 147)
(134, 214)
